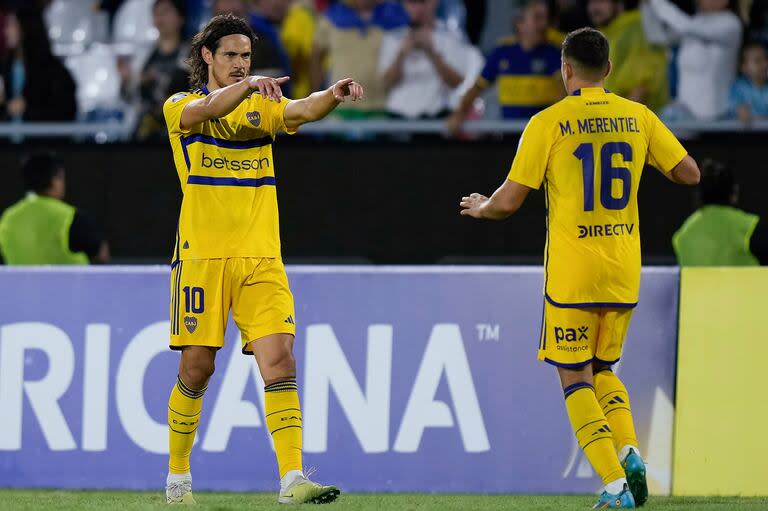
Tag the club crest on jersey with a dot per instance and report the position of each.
(254, 118)
(190, 323)
(179, 96)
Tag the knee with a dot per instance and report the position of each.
(196, 374)
(599, 367)
(280, 364)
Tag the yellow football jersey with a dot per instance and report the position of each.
(588, 150)
(227, 175)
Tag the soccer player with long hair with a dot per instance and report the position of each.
(227, 254)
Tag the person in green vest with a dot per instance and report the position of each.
(718, 233)
(43, 229)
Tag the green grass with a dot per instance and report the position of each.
(23, 500)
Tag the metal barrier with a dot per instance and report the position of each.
(116, 131)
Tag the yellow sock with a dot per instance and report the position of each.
(592, 431)
(612, 396)
(184, 408)
(281, 403)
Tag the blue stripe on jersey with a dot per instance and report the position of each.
(227, 144)
(231, 181)
(618, 305)
(577, 92)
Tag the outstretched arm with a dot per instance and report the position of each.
(319, 104)
(504, 202)
(223, 101)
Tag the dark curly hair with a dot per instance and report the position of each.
(219, 26)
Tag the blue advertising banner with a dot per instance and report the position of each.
(413, 379)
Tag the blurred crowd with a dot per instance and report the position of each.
(91, 60)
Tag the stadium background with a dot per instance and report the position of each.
(84, 369)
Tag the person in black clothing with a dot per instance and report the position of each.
(476, 11)
(164, 72)
(48, 88)
(44, 179)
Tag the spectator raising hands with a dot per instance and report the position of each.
(709, 46)
(421, 64)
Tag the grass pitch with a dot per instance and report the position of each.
(25, 500)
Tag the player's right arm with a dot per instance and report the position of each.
(668, 155)
(527, 173)
(222, 101)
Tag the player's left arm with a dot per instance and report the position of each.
(319, 104)
(668, 155)
(504, 202)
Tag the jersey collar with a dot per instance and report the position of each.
(204, 89)
(589, 90)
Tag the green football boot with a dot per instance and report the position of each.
(634, 467)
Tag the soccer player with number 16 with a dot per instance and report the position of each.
(588, 151)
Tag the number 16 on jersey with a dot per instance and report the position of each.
(608, 174)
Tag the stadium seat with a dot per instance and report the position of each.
(98, 83)
(73, 25)
(133, 23)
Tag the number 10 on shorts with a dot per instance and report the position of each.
(194, 299)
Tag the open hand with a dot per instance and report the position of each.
(471, 205)
(269, 88)
(347, 88)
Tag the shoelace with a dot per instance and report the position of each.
(179, 488)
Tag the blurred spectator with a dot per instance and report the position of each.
(718, 233)
(749, 93)
(165, 71)
(297, 32)
(421, 64)
(43, 229)
(11, 63)
(569, 15)
(527, 69)
(639, 70)
(237, 7)
(270, 57)
(476, 11)
(709, 46)
(349, 36)
(42, 89)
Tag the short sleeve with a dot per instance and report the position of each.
(491, 69)
(533, 150)
(664, 150)
(322, 38)
(271, 115)
(172, 110)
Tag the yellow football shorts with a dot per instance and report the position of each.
(204, 290)
(573, 338)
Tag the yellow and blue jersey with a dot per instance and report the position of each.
(588, 151)
(528, 80)
(227, 175)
